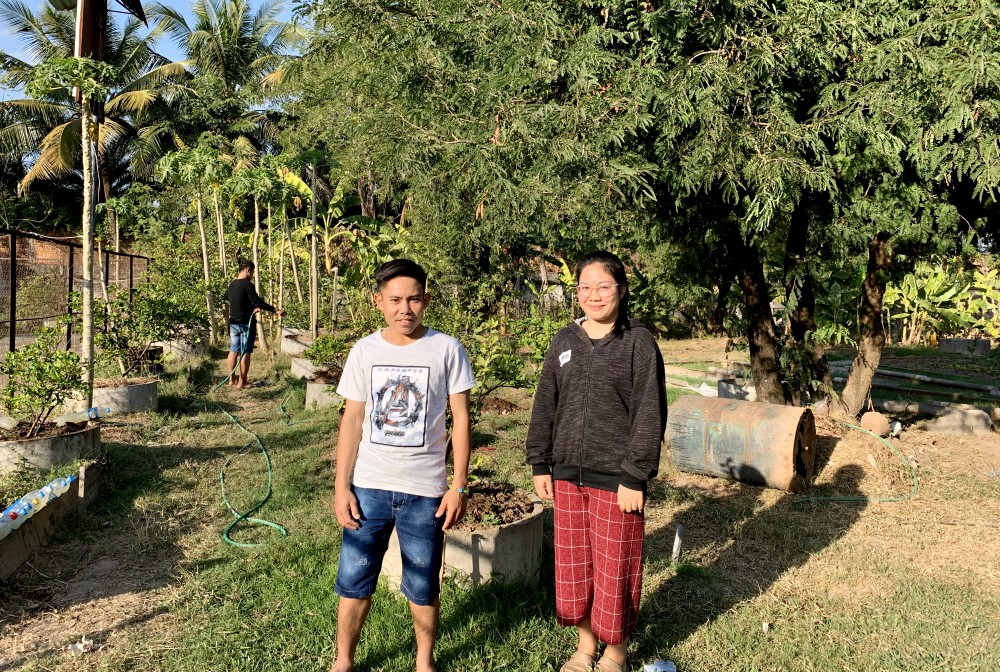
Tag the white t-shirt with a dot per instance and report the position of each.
(405, 389)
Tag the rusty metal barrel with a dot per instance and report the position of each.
(756, 443)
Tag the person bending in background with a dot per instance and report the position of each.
(593, 444)
(243, 303)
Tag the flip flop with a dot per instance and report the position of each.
(606, 664)
(579, 662)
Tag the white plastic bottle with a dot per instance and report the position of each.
(82, 416)
(61, 485)
(22, 512)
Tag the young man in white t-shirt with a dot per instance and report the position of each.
(399, 383)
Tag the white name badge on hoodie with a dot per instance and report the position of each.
(564, 357)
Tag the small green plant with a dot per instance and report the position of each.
(495, 363)
(490, 519)
(329, 351)
(40, 377)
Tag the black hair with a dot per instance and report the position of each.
(614, 267)
(245, 264)
(400, 268)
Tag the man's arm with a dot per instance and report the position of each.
(453, 503)
(259, 303)
(348, 440)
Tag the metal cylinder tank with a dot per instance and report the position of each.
(756, 443)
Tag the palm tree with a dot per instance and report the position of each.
(234, 53)
(130, 139)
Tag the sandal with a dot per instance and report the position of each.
(579, 662)
(606, 664)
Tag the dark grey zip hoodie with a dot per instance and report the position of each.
(600, 409)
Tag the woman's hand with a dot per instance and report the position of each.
(629, 501)
(543, 486)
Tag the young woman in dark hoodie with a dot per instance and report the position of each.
(593, 444)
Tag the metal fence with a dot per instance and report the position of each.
(37, 276)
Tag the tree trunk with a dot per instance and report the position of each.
(314, 267)
(291, 260)
(87, 291)
(764, 346)
(717, 320)
(872, 332)
(213, 330)
(802, 316)
(261, 333)
(112, 218)
(220, 227)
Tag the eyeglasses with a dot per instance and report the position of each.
(602, 290)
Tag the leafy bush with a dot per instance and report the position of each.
(40, 377)
(330, 351)
(127, 328)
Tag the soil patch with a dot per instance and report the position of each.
(121, 381)
(492, 504)
(499, 406)
(47, 431)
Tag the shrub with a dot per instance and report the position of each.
(40, 377)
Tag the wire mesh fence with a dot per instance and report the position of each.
(38, 276)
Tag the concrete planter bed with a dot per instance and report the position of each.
(502, 552)
(294, 341)
(303, 368)
(132, 398)
(973, 347)
(18, 547)
(183, 349)
(44, 453)
(321, 394)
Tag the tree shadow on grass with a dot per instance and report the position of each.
(761, 547)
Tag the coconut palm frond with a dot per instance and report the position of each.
(38, 112)
(161, 74)
(129, 102)
(20, 139)
(56, 156)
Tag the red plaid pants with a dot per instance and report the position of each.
(598, 552)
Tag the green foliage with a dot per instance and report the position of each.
(495, 363)
(39, 378)
(330, 350)
(941, 298)
(535, 333)
(127, 326)
(90, 76)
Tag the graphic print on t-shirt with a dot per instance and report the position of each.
(399, 413)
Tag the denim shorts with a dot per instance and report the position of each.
(421, 541)
(241, 338)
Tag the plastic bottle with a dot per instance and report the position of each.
(61, 485)
(7, 422)
(21, 513)
(82, 416)
(6, 527)
(39, 498)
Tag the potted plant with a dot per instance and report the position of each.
(325, 359)
(127, 326)
(41, 377)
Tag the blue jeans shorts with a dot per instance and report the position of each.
(421, 541)
(241, 338)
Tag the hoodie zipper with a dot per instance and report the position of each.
(586, 412)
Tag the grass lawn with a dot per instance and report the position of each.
(765, 583)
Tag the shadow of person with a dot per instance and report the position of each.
(757, 547)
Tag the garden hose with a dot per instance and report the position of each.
(913, 472)
(245, 515)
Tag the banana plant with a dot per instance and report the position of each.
(931, 299)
